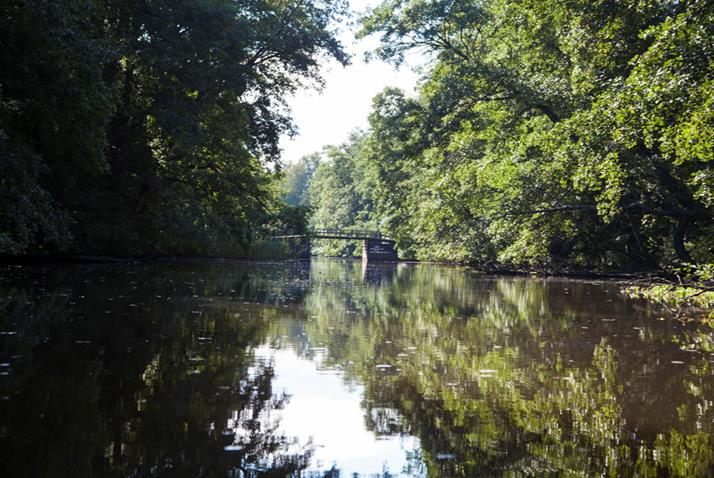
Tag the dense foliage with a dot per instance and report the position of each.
(339, 194)
(578, 134)
(566, 134)
(131, 127)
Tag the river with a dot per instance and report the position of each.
(333, 369)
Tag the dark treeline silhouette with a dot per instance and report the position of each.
(137, 127)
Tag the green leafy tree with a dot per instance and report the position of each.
(296, 179)
(340, 194)
(574, 134)
(133, 127)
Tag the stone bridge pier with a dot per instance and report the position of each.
(378, 250)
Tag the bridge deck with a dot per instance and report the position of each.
(356, 234)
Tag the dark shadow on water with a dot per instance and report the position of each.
(148, 372)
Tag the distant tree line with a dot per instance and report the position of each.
(149, 127)
(570, 134)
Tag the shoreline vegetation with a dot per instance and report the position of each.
(685, 303)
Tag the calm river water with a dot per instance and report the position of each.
(331, 369)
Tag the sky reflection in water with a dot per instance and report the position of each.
(327, 411)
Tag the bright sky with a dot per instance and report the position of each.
(327, 117)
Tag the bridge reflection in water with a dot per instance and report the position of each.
(375, 245)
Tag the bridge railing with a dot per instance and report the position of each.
(326, 233)
(349, 233)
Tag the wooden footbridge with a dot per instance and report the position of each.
(375, 245)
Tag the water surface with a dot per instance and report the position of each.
(331, 368)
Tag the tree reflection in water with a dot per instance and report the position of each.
(119, 372)
(520, 377)
(152, 371)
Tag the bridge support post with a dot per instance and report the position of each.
(378, 250)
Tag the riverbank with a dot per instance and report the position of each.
(687, 293)
(685, 302)
(265, 250)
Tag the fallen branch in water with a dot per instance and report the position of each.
(679, 300)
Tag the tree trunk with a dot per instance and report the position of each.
(678, 236)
